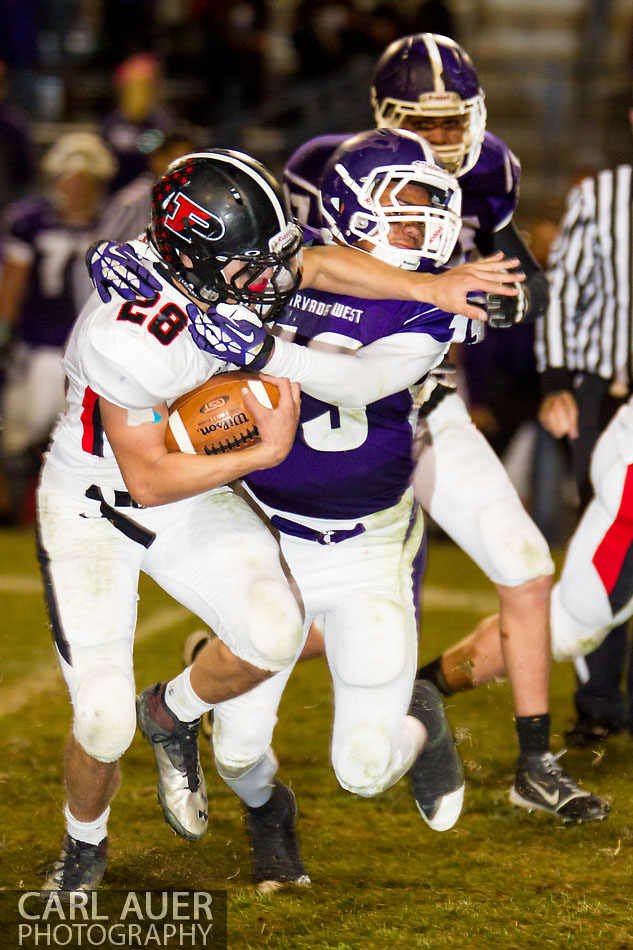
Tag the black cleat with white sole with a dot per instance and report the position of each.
(273, 837)
(436, 776)
(541, 784)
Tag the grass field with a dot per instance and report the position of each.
(501, 879)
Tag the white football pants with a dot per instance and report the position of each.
(366, 589)
(211, 553)
(595, 590)
(462, 484)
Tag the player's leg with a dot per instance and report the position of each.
(595, 590)
(218, 559)
(90, 573)
(32, 399)
(464, 487)
(466, 490)
(371, 634)
(245, 760)
(599, 700)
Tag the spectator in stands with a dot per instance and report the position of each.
(127, 211)
(138, 123)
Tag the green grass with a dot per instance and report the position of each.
(381, 879)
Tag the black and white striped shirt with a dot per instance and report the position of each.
(588, 326)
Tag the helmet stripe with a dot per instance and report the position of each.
(237, 160)
(435, 59)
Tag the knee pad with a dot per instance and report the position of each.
(361, 761)
(516, 550)
(105, 715)
(371, 649)
(275, 623)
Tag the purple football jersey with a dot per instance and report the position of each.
(48, 309)
(490, 190)
(348, 462)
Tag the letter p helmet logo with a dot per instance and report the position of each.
(185, 217)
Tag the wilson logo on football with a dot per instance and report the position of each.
(214, 404)
(223, 425)
(187, 216)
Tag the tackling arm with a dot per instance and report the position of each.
(373, 372)
(344, 270)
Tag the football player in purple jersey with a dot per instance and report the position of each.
(350, 529)
(427, 84)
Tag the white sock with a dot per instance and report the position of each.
(417, 734)
(256, 786)
(93, 832)
(182, 699)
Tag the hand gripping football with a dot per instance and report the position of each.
(213, 419)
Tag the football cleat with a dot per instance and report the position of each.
(273, 838)
(182, 791)
(437, 775)
(190, 649)
(80, 867)
(586, 732)
(540, 784)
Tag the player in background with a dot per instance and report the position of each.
(594, 594)
(127, 211)
(44, 235)
(350, 530)
(427, 84)
(112, 501)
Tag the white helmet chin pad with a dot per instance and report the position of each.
(396, 256)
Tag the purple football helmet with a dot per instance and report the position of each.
(431, 76)
(302, 173)
(360, 196)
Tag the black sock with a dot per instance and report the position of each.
(433, 671)
(533, 732)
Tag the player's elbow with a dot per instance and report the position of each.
(147, 491)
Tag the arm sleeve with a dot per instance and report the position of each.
(381, 368)
(535, 285)
(571, 261)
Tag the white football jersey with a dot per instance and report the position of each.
(136, 354)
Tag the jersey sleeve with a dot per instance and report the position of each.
(379, 369)
(491, 189)
(124, 367)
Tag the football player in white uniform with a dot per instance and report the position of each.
(595, 591)
(112, 501)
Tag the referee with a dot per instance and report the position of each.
(584, 352)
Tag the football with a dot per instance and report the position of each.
(213, 418)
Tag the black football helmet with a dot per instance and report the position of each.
(219, 206)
